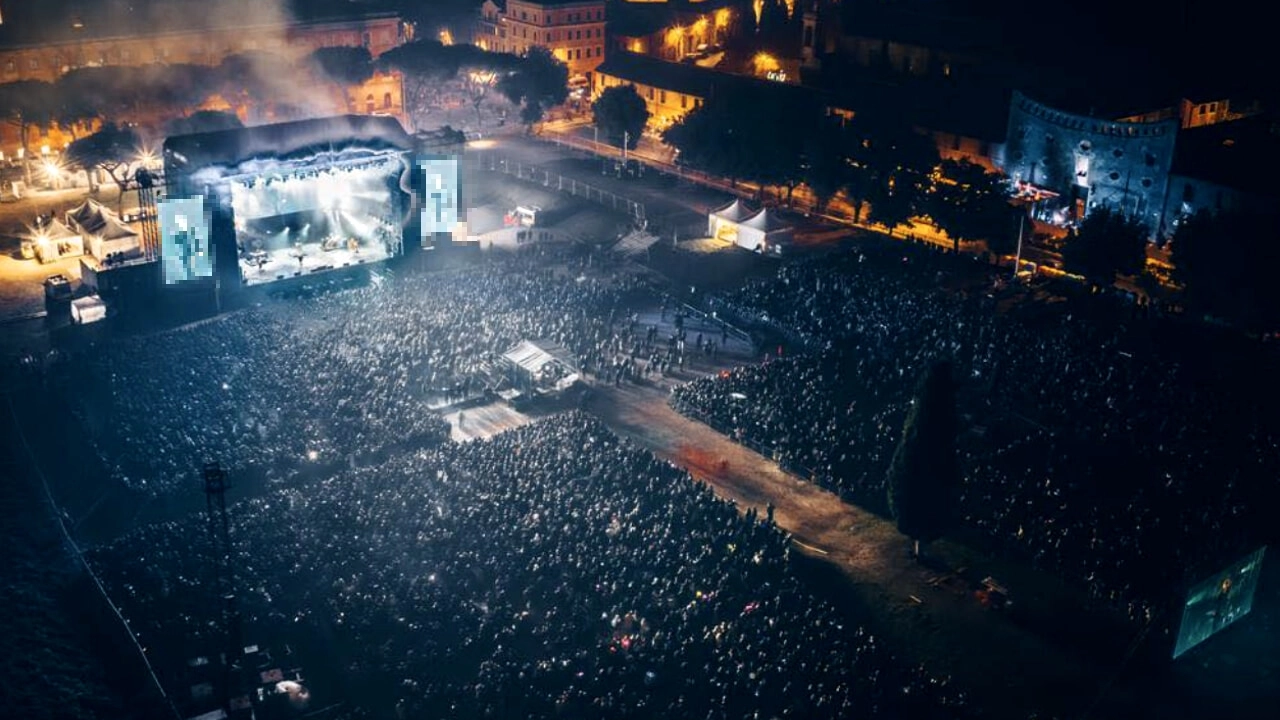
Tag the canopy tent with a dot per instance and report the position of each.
(88, 309)
(541, 365)
(722, 223)
(764, 232)
(104, 232)
(55, 240)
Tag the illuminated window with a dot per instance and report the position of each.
(33, 64)
(10, 66)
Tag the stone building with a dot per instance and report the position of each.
(572, 30)
(1090, 162)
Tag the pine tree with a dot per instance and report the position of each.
(924, 476)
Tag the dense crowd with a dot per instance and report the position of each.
(1086, 447)
(552, 571)
(335, 377)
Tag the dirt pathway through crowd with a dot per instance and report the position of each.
(925, 615)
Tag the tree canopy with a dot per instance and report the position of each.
(343, 66)
(1225, 263)
(970, 203)
(112, 148)
(897, 161)
(744, 135)
(539, 83)
(924, 475)
(620, 113)
(1105, 244)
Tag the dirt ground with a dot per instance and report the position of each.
(926, 613)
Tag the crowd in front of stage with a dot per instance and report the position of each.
(1101, 446)
(552, 571)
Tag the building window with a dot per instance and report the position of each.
(599, 51)
(33, 64)
(365, 40)
(588, 53)
(10, 67)
(662, 97)
(1146, 182)
(577, 54)
(126, 55)
(524, 15)
(386, 101)
(650, 93)
(368, 103)
(1114, 176)
(955, 142)
(684, 102)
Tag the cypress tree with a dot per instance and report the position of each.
(924, 477)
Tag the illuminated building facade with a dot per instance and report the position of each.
(572, 30)
(1091, 162)
(674, 31)
(1156, 167)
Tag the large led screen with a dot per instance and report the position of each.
(1218, 601)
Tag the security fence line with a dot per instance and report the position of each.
(561, 183)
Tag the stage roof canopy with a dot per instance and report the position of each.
(532, 356)
(284, 141)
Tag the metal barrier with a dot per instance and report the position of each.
(561, 183)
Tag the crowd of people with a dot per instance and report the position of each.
(551, 571)
(1091, 445)
(339, 377)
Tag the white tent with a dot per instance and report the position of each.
(55, 241)
(103, 231)
(88, 309)
(722, 223)
(764, 232)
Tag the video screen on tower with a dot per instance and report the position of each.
(312, 218)
(1218, 601)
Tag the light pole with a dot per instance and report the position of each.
(1017, 258)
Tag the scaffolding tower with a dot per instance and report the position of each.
(219, 529)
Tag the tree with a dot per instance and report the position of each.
(112, 148)
(203, 121)
(423, 65)
(1225, 262)
(755, 135)
(1106, 243)
(343, 67)
(826, 167)
(924, 476)
(27, 104)
(897, 161)
(539, 82)
(970, 203)
(620, 113)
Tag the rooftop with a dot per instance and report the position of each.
(289, 140)
(1242, 154)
